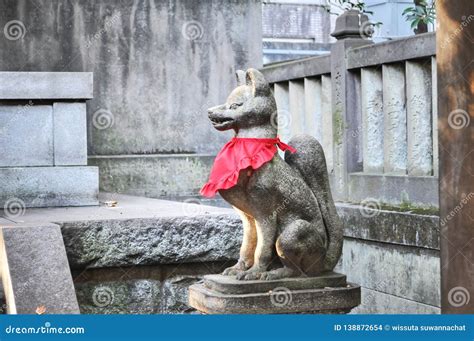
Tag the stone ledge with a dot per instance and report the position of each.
(394, 189)
(402, 228)
(49, 186)
(418, 46)
(46, 85)
(306, 67)
(161, 240)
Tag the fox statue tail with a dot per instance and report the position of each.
(310, 162)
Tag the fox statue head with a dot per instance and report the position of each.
(250, 108)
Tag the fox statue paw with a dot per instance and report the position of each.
(236, 269)
(253, 273)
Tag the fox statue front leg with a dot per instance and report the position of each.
(247, 249)
(264, 255)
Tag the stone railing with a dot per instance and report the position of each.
(373, 108)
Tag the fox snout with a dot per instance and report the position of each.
(220, 118)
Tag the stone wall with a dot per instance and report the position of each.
(158, 65)
(146, 265)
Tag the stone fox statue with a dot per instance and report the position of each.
(291, 227)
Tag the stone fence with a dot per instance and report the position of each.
(373, 107)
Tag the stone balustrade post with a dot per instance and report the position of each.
(352, 30)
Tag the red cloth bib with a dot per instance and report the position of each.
(240, 153)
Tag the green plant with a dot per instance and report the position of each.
(420, 15)
(348, 5)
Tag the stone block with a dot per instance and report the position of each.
(26, 135)
(419, 119)
(395, 119)
(216, 296)
(297, 107)
(46, 85)
(151, 241)
(49, 186)
(313, 107)
(153, 175)
(137, 296)
(282, 98)
(394, 189)
(327, 137)
(376, 302)
(372, 120)
(175, 295)
(404, 228)
(402, 271)
(35, 271)
(70, 133)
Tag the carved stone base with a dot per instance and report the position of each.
(326, 294)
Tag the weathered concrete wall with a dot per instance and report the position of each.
(158, 64)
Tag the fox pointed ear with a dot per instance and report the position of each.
(255, 79)
(240, 75)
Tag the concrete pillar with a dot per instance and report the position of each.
(372, 119)
(395, 119)
(297, 107)
(344, 102)
(454, 41)
(326, 121)
(419, 123)
(434, 81)
(312, 102)
(282, 98)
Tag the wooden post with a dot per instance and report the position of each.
(455, 58)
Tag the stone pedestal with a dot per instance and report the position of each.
(43, 140)
(326, 294)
